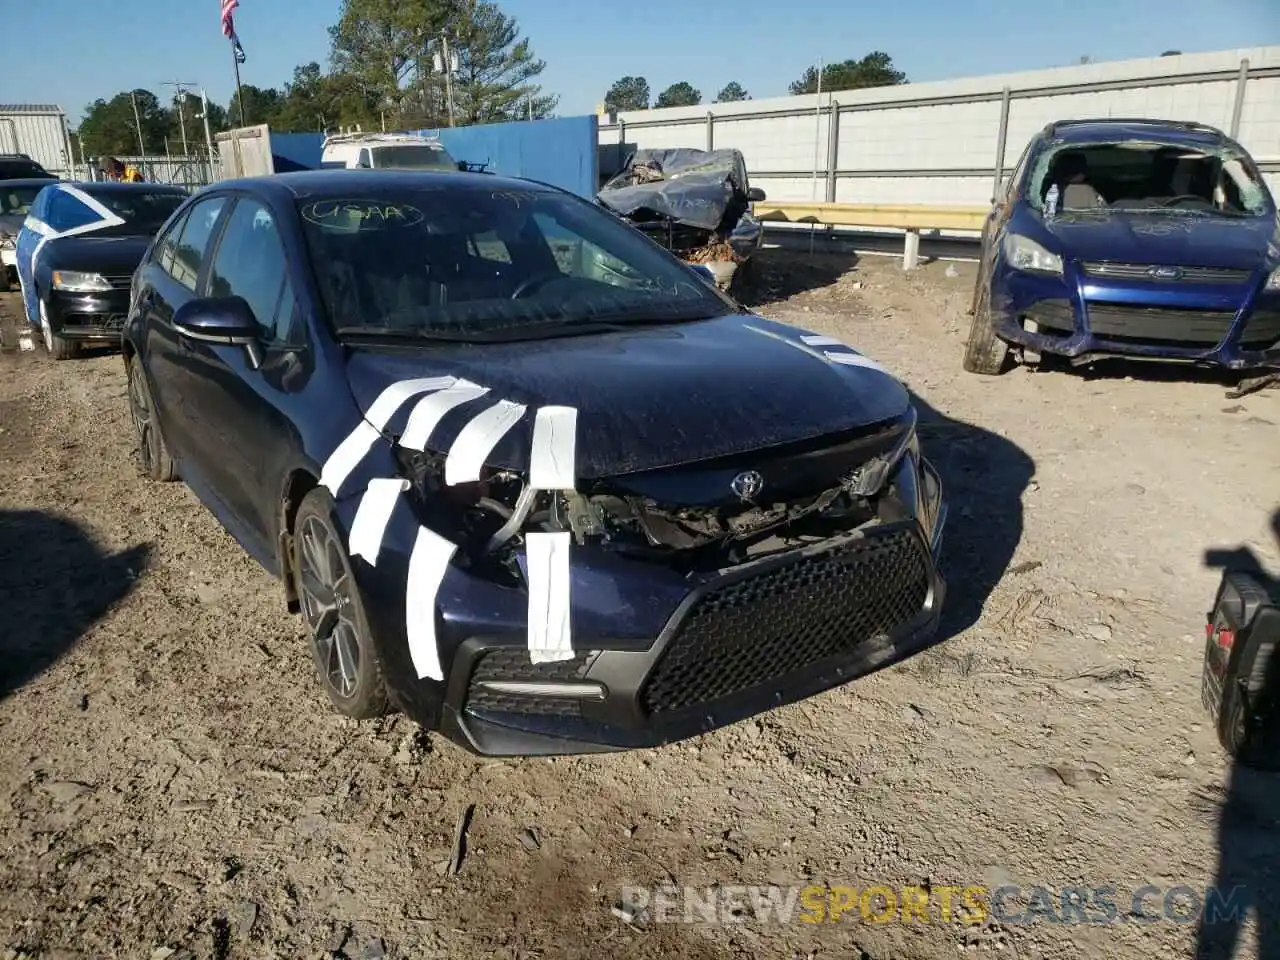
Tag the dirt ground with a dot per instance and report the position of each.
(172, 783)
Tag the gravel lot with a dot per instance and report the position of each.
(172, 783)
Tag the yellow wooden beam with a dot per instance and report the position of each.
(896, 216)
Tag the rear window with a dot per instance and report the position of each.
(22, 170)
(413, 156)
(144, 211)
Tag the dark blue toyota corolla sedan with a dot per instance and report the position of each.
(1140, 238)
(527, 476)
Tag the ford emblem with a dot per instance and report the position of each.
(747, 485)
(1165, 273)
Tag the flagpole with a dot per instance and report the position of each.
(235, 59)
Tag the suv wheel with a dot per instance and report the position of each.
(985, 353)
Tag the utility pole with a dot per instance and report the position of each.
(180, 96)
(137, 123)
(208, 136)
(449, 64)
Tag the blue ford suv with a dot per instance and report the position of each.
(1139, 238)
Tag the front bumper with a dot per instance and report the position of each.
(661, 657)
(1078, 317)
(88, 316)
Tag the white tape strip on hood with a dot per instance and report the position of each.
(819, 340)
(477, 439)
(359, 441)
(553, 456)
(856, 360)
(372, 516)
(430, 410)
(547, 561)
(427, 566)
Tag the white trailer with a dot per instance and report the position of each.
(40, 131)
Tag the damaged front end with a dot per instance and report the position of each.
(694, 520)
(696, 203)
(700, 593)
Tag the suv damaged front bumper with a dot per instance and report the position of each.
(661, 654)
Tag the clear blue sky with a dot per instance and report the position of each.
(83, 50)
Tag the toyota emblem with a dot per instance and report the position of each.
(747, 485)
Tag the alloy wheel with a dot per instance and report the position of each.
(140, 410)
(328, 606)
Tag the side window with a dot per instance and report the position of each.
(194, 242)
(66, 212)
(363, 160)
(162, 252)
(250, 263)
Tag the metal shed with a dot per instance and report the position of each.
(40, 131)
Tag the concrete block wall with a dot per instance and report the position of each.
(937, 143)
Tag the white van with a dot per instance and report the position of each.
(386, 151)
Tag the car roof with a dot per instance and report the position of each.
(1171, 131)
(7, 182)
(334, 183)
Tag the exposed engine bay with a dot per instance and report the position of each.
(487, 519)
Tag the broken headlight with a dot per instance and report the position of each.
(469, 514)
(870, 477)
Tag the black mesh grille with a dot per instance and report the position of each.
(763, 628)
(513, 664)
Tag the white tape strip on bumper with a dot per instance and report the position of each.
(547, 562)
(427, 566)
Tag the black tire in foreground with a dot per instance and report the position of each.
(985, 353)
(153, 453)
(341, 642)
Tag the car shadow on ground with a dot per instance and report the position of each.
(1248, 826)
(57, 584)
(1148, 371)
(774, 275)
(984, 477)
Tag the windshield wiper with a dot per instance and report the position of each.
(417, 333)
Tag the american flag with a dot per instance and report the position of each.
(229, 27)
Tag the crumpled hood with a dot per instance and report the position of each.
(1165, 238)
(651, 397)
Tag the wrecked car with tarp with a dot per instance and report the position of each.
(696, 203)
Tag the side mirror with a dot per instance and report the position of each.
(228, 321)
(756, 195)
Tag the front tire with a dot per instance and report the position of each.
(60, 348)
(985, 353)
(341, 641)
(153, 453)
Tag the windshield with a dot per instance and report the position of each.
(143, 211)
(17, 200)
(1148, 176)
(413, 156)
(471, 263)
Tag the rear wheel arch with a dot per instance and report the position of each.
(297, 484)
